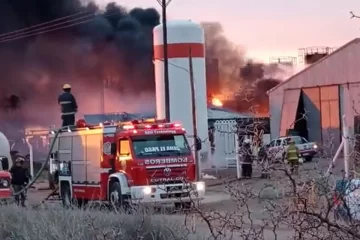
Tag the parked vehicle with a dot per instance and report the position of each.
(276, 149)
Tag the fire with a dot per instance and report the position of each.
(216, 102)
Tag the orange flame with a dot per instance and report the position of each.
(216, 102)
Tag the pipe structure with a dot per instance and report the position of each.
(33, 180)
(194, 117)
(164, 4)
(335, 158)
(343, 146)
(31, 152)
(346, 148)
(238, 165)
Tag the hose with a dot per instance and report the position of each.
(33, 180)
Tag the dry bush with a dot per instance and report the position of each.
(58, 223)
(287, 206)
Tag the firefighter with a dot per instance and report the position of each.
(247, 160)
(212, 138)
(20, 177)
(292, 156)
(68, 106)
(264, 161)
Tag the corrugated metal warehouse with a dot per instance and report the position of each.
(323, 92)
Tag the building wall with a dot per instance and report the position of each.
(276, 101)
(334, 105)
(330, 117)
(351, 99)
(337, 69)
(289, 110)
(340, 67)
(311, 98)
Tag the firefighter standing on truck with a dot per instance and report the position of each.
(292, 156)
(20, 177)
(68, 106)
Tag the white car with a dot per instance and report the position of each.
(276, 149)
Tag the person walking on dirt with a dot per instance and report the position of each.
(20, 178)
(247, 160)
(292, 156)
(68, 106)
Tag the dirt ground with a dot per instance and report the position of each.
(218, 199)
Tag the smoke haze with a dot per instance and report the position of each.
(243, 83)
(113, 49)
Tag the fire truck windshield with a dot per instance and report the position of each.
(160, 145)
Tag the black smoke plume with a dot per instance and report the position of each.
(243, 83)
(113, 49)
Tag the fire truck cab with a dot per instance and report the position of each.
(146, 161)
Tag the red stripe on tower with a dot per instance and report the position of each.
(180, 50)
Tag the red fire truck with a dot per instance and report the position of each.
(5, 165)
(142, 161)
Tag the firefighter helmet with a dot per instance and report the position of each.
(81, 123)
(66, 86)
(247, 141)
(20, 159)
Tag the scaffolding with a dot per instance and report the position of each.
(283, 60)
(311, 55)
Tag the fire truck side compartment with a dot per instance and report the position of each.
(84, 151)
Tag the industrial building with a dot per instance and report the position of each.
(313, 101)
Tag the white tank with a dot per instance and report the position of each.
(182, 35)
(5, 149)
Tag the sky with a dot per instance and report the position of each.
(272, 28)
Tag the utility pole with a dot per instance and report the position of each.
(102, 97)
(193, 104)
(164, 4)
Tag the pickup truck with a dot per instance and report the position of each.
(276, 149)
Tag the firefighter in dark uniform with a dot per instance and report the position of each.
(212, 138)
(246, 161)
(20, 177)
(68, 106)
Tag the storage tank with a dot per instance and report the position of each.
(183, 35)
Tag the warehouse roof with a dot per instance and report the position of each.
(213, 113)
(356, 40)
(220, 112)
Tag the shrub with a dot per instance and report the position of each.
(57, 223)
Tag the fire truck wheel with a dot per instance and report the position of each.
(66, 195)
(115, 196)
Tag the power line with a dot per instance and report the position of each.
(42, 32)
(34, 27)
(51, 30)
(45, 28)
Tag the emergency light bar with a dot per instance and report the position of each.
(150, 123)
(150, 126)
(148, 120)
